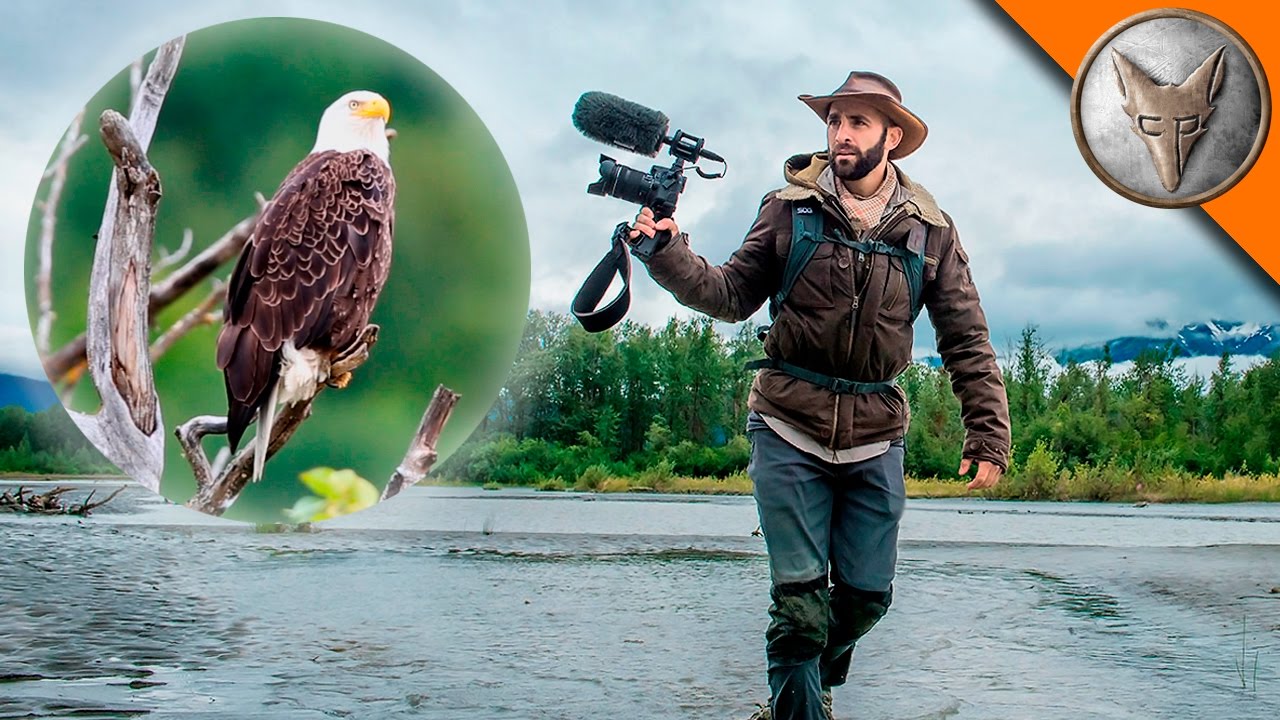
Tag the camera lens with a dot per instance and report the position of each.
(604, 185)
(630, 184)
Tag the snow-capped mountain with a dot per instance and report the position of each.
(1196, 348)
(1209, 339)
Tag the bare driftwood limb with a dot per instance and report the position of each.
(218, 491)
(62, 363)
(128, 427)
(135, 82)
(145, 110)
(169, 259)
(201, 314)
(57, 176)
(422, 454)
(50, 503)
(190, 434)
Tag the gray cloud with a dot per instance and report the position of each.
(1050, 244)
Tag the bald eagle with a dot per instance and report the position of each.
(307, 280)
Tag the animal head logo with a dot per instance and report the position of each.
(1170, 118)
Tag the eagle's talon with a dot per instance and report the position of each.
(340, 381)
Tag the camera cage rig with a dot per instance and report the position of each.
(685, 148)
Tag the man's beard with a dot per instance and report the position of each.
(866, 162)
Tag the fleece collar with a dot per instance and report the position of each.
(806, 179)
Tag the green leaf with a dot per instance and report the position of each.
(341, 491)
(307, 509)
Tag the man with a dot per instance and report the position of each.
(848, 253)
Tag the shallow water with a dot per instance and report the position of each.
(458, 603)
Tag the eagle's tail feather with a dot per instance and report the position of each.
(266, 418)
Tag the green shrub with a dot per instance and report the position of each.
(593, 478)
(1039, 477)
(1106, 483)
(555, 484)
(658, 476)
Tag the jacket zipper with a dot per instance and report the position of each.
(835, 422)
(885, 226)
(879, 231)
(847, 227)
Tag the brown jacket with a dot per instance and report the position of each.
(827, 327)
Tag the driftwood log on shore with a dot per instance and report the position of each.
(51, 502)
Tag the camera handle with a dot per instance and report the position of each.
(586, 302)
(585, 308)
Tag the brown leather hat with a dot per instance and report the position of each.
(880, 92)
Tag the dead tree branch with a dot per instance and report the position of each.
(164, 293)
(169, 259)
(50, 503)
(128, 427)
(422, 454)
(135, 83)
(177, 283)
(217, 491)
(86, 507)
(57, 176)
(201, 314)
(145, 110)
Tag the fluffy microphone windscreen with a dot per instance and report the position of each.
(612, 120)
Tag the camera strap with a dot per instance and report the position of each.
(616, 261)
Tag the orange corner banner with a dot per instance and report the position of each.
(1066, 32)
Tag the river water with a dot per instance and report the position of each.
(460, 603)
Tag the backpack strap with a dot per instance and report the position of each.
(834, 384)
(912, 256)
(913, 264)
(806, 235)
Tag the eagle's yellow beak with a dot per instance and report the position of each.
(377, 107)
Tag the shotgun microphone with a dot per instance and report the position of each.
(621, 123)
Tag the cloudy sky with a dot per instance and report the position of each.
(1049, 243)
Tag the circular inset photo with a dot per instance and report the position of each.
(277, 269)
(1170, 108)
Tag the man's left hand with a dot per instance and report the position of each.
(988, 474)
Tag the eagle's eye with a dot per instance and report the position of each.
(353, 104)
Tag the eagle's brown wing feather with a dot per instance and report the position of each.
(310, 274)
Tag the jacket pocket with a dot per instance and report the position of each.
(897, 292)
(816, 285)
(894, 331)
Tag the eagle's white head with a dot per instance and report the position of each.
(356, 121)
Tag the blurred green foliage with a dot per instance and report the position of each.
(242, 111)
(337, 492)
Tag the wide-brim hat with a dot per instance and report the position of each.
(882, 94)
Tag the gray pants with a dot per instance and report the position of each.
(831, 531)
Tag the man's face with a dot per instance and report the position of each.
(858, 137)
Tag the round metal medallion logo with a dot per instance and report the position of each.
(1170, 108)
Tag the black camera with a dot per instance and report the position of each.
(658, 190)
(635, 128)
